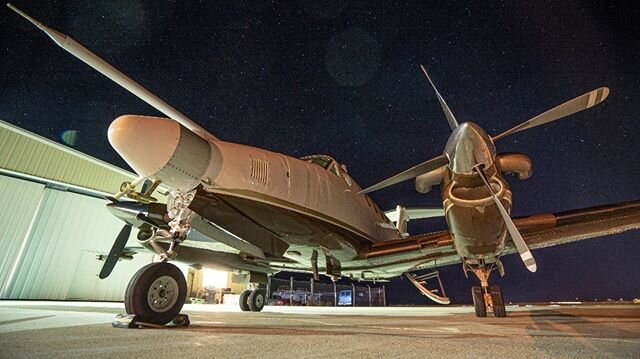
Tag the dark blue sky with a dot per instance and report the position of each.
(343, 78)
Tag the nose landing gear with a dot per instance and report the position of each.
(486, 297)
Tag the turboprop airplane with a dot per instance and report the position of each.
(242, 208)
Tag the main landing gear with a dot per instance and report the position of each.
(487, 297)
(252, 300)
(156, 293)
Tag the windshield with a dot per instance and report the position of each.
(320, 160)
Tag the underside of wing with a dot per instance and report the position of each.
(547, 230)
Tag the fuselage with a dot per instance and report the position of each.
(309, 203)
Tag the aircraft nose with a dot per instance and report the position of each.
(145, 143)
(468, 146)
(160, 148)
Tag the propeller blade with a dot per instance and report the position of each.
(525, 253)
(116, 251)
(578, 104)
(453, 123)
(412, 172)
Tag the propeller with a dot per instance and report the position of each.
(525, 253)
(412, 172)
(453, 123)
(426, 166)
(570, 107)
(121, 240)
(116, 251)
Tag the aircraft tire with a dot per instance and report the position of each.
(156, 293)
(499, 309)
(244, 300)
(256, 300)
(478, 301)
(132, 281)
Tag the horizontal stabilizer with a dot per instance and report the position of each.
(414, 213)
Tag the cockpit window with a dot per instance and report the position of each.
(322, 161)
(331, 165)
(334, 169)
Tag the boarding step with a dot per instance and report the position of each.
(420, 282)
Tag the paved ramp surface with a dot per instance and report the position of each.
(66, 330)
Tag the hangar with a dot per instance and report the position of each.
(56, 228)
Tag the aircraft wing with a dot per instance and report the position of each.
(436, 249)
(547, 230)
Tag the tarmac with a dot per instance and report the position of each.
(30, 329)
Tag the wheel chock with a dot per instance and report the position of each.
(130, 321)
(125, 321)
(182, 320)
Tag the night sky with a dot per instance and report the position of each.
(343, 78)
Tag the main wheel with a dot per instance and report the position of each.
(499, 309)
(244, 300)
(256, 300)
(156, 293)
(478, 301)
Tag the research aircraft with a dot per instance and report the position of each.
(246, 209)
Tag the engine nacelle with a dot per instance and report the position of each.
(426, 181)
(516, 163)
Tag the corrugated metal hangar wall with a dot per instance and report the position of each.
(55, 223)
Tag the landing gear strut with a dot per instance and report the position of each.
(487, 297)
(252, 300)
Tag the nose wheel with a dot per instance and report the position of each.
(479, 303)
(156, 293)
(497, 302)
